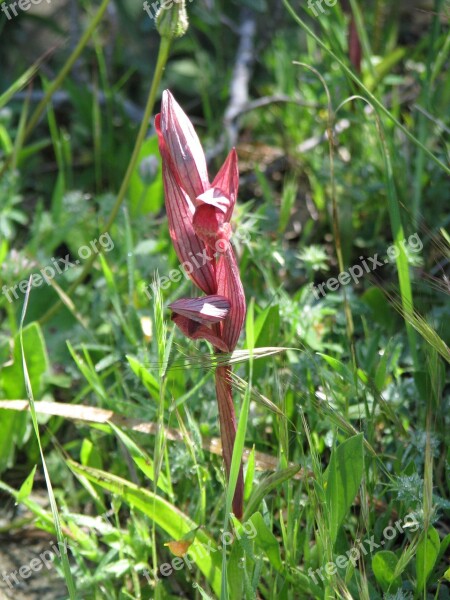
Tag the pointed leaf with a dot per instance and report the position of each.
(266, 540)
(26, 487)
(426, 555)
(384, 564)
(344, 478)
(266, 486)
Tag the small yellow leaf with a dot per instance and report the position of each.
(179, 548)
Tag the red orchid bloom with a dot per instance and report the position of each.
(199, 214)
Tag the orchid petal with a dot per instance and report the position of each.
(186, 243)
(184, 147)
(229, 285)
(209, 309)
(180, 212)
(196, 331)
(227, 180)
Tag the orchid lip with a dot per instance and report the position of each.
(214, 197)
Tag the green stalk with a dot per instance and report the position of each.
(163, 55)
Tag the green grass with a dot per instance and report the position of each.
(342, 399)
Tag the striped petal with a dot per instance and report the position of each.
(180, 211)
(184, 147)
(209, 309)
(229, 285)
(227, 180)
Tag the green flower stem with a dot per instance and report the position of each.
(163, 55)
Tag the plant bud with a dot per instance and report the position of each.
(171, 19)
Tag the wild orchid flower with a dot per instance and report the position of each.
(199, 214)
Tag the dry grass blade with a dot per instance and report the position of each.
(89, 414)
(221, 360)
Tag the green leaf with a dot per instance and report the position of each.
(146, 378)
(266, 486)
(13, 426)
(288, 198)
(249, 475)
(235, 572)
(267, 541)
(426, 555)
(384, 67)
(172, 520)
(37, 362)
(267, 333)
(344, 476)
(90, 455)
(27, 486)
(141, 459)
(267, 327)
(30, 395)
(338, 367)
(384, 564)
(19, 83)
(88, 371)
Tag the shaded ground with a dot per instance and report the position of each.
(15, 553)
(18, 548)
